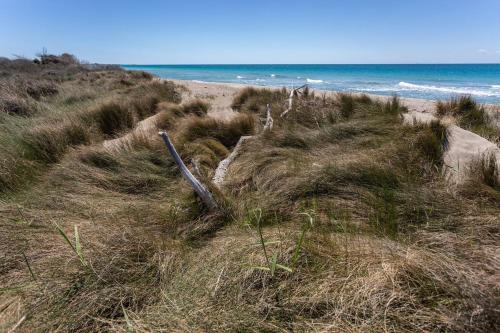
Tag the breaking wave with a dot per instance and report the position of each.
(449, 90)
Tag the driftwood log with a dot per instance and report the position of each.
(220, 172)
(202, 192)
(293, 93)
(269, 120)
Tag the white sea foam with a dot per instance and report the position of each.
(239, 77)
(450, 90)
(273, 75)
(495, 86)
(260, 80)
(314, 81)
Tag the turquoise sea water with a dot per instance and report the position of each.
(481, 81)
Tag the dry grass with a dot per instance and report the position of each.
(391, 247)
(228, 133)
(45, 115)
(470, 115)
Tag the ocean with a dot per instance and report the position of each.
(434, 82)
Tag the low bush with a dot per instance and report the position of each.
(38, 89)
(14, 105)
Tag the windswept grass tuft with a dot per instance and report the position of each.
(468, 112)
(112, 118)
(196, 107)
(433, 141)
(48, 142)
(228, 133)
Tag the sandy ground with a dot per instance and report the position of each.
(464, 146)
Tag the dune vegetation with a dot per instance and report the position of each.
(337, 220)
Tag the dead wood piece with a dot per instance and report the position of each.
(220, 172)
(202, 192)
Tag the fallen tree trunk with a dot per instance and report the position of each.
(220, 172)
(202, 192)
(290, 99)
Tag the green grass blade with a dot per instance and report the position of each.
(274, 263)
(285, 268)
(29, 267)
(63, 234)
(78, 247)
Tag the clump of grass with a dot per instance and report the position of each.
(48, 142)
(164, 91)
(168, 114)
(99, 159)
(112, 118)
(228, 133)
(255, 100)
(394, 106)
(468, 112)
(78, 98)
(485, 170)
(432, 141)
(196, 107)
(346, 102)
(364, 99)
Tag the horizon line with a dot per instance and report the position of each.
(313, 64)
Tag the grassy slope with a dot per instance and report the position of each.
(391, 247)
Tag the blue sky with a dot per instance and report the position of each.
(238, 31)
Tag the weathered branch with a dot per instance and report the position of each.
(196, 167)
(220, 172)
(269, 119)
(290, 99)
(202, 192)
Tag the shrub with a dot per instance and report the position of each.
(141, 75)
(15, 105)
(38, 89)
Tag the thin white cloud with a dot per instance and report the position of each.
(482, 51)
